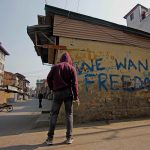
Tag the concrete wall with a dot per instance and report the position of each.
(136, 20)
(114, 80)
(145, 24)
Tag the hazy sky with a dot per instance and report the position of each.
(16, 15)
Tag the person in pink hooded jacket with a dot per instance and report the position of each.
(62, 80)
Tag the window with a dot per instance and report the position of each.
(132, 16)
(143, 15)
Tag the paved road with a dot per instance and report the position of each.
(127, 135)
(22, 118)
(133, 135)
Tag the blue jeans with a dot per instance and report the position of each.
(60, 97)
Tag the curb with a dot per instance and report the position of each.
(42, 121)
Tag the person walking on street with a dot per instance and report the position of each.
(40, 97)
(62, 81)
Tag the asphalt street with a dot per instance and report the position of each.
(22, 118)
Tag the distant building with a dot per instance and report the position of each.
(39, 85)
(15, 86)
(26, 89)
(10, 79)
(42, 86)
(3, 53)
(21, 80)
(32, 92)
(23, 86)
(139, 18)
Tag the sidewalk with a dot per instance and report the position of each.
(43, 119)
(130, 135)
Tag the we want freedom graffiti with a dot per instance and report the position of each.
(94, 72)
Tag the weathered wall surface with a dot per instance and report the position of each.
(4, 96)
(114, 80)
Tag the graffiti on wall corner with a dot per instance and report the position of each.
(95, 73)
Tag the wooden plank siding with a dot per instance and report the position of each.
(65, 27)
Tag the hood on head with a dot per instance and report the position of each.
(66, 58)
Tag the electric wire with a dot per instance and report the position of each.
(78, 5)
(63, 21)
(66, 4)
(124, 42)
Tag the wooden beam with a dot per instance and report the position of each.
(53, 46)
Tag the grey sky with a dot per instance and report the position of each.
(16, 15)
